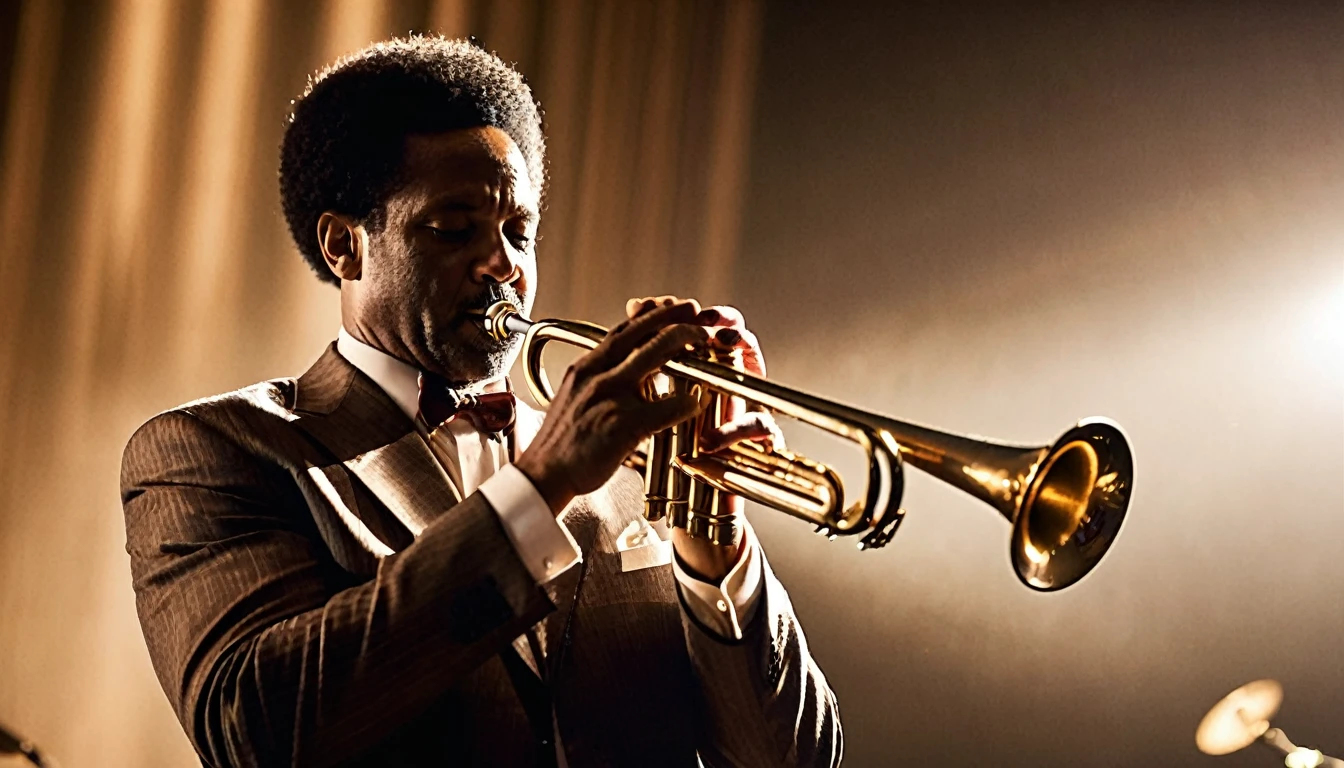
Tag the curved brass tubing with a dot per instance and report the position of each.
(1065, 501)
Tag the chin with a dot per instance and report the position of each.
(469, 356)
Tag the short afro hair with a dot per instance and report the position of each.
(345, 141)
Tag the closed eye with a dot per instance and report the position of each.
(455, 236)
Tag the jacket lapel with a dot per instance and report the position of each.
(365, 431)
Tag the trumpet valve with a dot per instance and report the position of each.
(719, 530)
(657, 475)
(708, 514)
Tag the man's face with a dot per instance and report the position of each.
(466, 218)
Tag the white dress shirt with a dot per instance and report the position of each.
(475, 462)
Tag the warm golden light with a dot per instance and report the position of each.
(1060, 496)
(1035, 555)
(1302, 757)
(989, 217)
(1240, 718)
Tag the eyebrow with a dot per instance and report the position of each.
(467, 201)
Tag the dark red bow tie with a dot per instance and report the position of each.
(491, 413)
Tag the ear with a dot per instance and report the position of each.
(344, 245)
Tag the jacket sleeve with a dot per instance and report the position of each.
(269, 653)
(765, 702)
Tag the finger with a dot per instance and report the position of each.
(662, 414)
(749, 359)
(755, 426)
(723, 316)
(642, 308)
(725, 337)
(637, 307)
(652, 354)
(741, 339)
(707, 317)
(624, 338)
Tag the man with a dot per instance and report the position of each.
(354, 567)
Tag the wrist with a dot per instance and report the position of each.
(552, 485)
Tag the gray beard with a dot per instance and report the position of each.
(472, 357)
(476, 363)
(468, 355)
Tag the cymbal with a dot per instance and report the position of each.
(1240, 718)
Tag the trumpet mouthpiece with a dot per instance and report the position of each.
(503, 318)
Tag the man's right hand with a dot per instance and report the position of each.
(599, 415)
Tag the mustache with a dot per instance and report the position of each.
(476, 305)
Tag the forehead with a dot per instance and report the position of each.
(468, 161)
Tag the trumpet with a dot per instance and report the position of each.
(1065, 501)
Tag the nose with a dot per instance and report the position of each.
(498, 264)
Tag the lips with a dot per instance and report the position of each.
(478, 305)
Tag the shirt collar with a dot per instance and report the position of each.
(400, 380)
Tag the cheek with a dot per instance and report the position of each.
(527, 285)
(404, 288)
(445, 285)
(415, 273)
(389, 262)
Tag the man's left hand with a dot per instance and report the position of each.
(726, 329)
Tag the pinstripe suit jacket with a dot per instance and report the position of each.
(312, 592)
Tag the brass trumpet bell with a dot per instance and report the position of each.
(1065, 501)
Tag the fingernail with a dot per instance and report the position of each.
(708, 316)
(728, 336)
(646, 306)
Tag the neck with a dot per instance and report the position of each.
(392, 347)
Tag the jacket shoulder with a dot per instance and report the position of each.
(252, 419)
(272, 399)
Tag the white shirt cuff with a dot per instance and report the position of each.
(725, 607)
(542, 542)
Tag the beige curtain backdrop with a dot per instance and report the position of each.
(144, 261)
